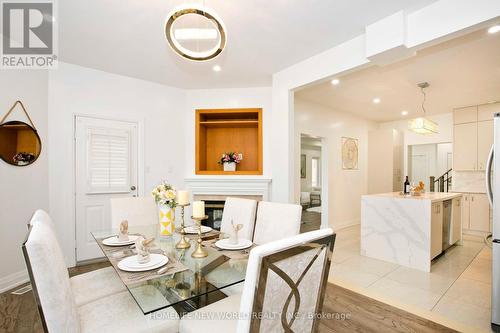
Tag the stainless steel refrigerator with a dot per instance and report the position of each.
(493, 191)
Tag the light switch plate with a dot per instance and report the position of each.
(240, 156)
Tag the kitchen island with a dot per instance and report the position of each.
(410, 230)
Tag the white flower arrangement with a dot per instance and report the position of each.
(165, 194)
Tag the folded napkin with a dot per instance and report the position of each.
(123, 234)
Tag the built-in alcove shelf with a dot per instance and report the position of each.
(223, 130)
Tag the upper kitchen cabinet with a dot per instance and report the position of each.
(465, 146)
(484, 142)
(473, 136)
(465, 115)
(486, 111)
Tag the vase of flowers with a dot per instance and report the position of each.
(229, 161)
(164, 195)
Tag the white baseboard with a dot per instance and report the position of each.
(13, 280)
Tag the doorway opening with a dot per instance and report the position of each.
(428, 163)
(312, 167)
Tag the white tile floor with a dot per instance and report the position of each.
(457, 289)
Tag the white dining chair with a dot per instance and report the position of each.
(275, 221)
(90, 286)
(240, 211)
(56, 301)
(136, 210)
(284, 289)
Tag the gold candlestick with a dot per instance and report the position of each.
(199, 252)
(183, 242)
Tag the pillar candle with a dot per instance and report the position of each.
(182, 197)
(199, 209)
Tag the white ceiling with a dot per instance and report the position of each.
(264, 36)
(461, 72)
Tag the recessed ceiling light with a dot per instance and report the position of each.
(494, 29)
(335, 82)
(404, 113)
(376, 100)
(216, 68)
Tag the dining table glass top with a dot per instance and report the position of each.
(193, 283)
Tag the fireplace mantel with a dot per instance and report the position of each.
(229, 185)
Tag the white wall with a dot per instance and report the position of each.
(79, 90)
(345, 187)
(22, 189)
(227, 99)
(380, 161)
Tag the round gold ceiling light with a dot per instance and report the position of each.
(195, 33)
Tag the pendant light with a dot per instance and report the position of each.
(422, 125)
(195, 32)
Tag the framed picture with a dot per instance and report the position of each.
(350, 153)
(302, 166)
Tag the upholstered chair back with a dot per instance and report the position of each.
(276, 221)
(136, 210)
(285, 284)
(240, 211)
(49, 276)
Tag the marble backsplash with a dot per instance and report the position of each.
(469, 181)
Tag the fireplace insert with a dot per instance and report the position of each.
(214, 209)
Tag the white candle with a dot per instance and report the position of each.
(199, 209)
(182, 197)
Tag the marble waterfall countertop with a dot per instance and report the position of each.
(400, 229)
(433, 196)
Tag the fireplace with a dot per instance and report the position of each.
(215, 190)
(214, 209)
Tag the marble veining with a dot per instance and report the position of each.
(397, 228)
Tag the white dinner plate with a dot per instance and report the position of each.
(194, 229)
(130, 264)
(113, 241)
(226, 245)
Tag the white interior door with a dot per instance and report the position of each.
(106, 167)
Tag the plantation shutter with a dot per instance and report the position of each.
(108, 158)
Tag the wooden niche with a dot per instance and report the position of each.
(224, 130)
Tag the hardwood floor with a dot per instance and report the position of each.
(310, 221)
(363, 314)
(344, 311)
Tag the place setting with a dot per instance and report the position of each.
(138, 261)
(233, 246)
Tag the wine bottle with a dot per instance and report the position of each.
(406, 186)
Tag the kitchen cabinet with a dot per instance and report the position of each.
(479, 212)
(436, 229)
(465, 115)
(486, 111)
(484, 142)
(473, 136)
(465, 146)
(466, 211)
(456, 220)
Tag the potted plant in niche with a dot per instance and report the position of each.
(164, 195)
(229, 160)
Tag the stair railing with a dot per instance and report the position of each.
(444, 182)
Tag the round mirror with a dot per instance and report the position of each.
(20, 144)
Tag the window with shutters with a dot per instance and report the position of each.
(108, 160)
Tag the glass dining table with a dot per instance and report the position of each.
(198, 282)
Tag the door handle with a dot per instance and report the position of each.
(132, 188)
(489, 161)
